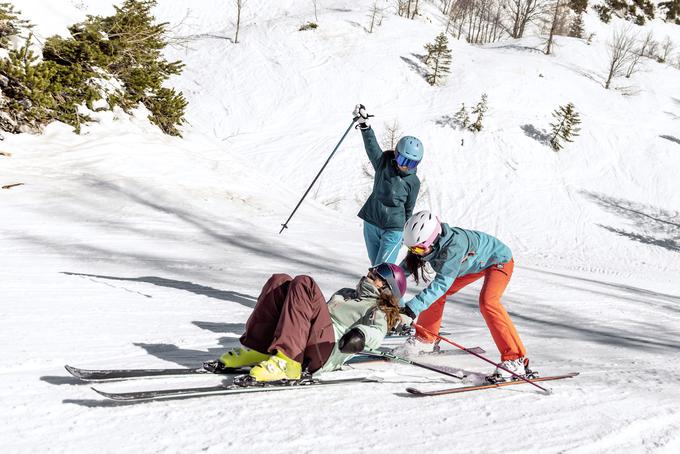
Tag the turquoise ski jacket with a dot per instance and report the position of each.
(394, 192)
(457, 252)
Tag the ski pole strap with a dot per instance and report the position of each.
(547, 391)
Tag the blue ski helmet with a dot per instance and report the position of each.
(410, 147)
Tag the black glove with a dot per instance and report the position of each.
(353, 341)
(408, 312)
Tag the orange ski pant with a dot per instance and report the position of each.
(498, 321)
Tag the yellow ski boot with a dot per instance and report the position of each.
(277, 367)
(241, 357)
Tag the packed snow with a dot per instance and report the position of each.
(126, 248)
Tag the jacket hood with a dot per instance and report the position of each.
(365, 289)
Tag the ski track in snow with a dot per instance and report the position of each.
(126, 248)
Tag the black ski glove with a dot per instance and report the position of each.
(353, 341)
(408, 312)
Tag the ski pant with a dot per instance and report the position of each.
(498, 321)
(382, 245)
(291, 316)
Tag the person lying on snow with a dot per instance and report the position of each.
(292, 328)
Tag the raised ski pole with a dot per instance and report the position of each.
(285, 224)
(393, 357)
(547, 391)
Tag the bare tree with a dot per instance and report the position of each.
(391, 135)
(621, 49)
(479, 21)
(375, 11)
(239, 7)
(647, 44)
(402, 7)
(666, 50)
(643, 49)
(522, 12)
(444, 6)
(316, 18)
(553, 27)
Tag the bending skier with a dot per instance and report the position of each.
(292, 328)
(459, 258)
(395, 189)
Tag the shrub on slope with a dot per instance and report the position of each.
(116, 60)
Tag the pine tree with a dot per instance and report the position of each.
(462, 117)
(10, 23)
(565, 126)
(577, 28)
(479, 110)
(672, 8)
(126, 47)
(438, 59)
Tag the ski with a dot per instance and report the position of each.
(361, 359)
(439, 392)
(118, 374)
(231, 388)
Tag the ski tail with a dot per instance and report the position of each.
(119, 374)
(462, 389)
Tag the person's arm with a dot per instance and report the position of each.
(437, 288)
(365, 336)
(371, 146)
(411, 199)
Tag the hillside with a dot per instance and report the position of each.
(128, 248)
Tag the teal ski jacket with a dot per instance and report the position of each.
(457, 252)
(394, 192)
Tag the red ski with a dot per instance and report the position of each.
(462, 389)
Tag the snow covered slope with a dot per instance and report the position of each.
(127, 248)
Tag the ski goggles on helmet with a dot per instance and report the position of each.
(384, 272)
(418, 249)
(403, 161)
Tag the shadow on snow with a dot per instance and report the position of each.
(654, 225)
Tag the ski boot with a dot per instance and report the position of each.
(277, 367)
(234, 359)
(519, 366)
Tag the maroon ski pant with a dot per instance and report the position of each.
(291, 316)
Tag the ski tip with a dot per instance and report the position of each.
(107, 395)
(72, 370)
(373, 379)
(414, 391)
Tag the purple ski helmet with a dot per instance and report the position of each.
(394, 276)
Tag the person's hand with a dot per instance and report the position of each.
(406, 311)
(405, 323)
(361, 116)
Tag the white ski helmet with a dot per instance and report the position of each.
(422, 229)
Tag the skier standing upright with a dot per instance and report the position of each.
(460, 257)
(395, 189)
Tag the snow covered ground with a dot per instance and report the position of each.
(127, 248)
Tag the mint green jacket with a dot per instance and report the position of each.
(350, 308)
